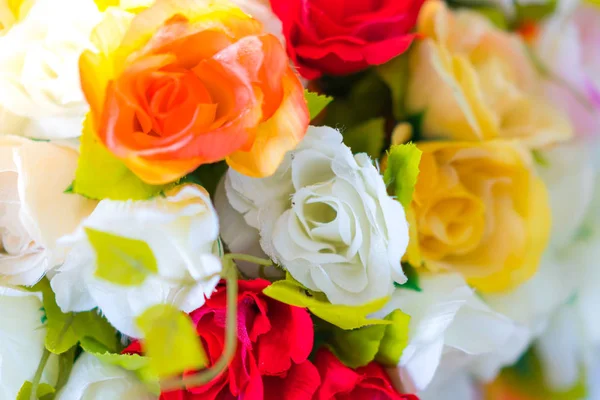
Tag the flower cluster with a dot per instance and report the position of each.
(299, 199)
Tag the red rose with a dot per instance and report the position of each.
(339, 382)
(274, 341)
(339, 37)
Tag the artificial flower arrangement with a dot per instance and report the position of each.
(299, 199)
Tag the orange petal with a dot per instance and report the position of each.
(202, 15)
(280, 134)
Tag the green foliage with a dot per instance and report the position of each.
(402, 171)
(101, 175)
(495, 15)
(207, 175)
(369, 98)
(170, 341)
(44, 391)
(346, 317)
(358, 347)
(63, 331)
(367, 137)
(140, 365)
(412, 276)
(65, 365)
(316, 103)
(534, 11)
(130, 362)
(540, 159)
(395, 74)
(120, 260)
(395, 339)
(383, 343)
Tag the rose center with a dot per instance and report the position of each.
(453, 224)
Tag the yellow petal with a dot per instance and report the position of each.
(280, 134)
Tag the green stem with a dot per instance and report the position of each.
(205, 376)
(38, 374)
(252, 259)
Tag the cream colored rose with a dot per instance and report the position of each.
(472, 81)
(34, 211)
(40, 90)
(22, 334)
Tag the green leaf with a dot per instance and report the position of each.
(121, 260)
(495, 15)
(101, 175)
(65, 365)
(44, 391)
(395, 339)
(395, 74)
(346, 317)
(412, 276)
(207, 176)
(383, 343)
(140, 365)
(358, 347)
(402, 171)
(69, 189)
(170, 341)
(367, 137)
(316, 103)
(531, 12)
(130, 362)
(540, 159)
(65, 330)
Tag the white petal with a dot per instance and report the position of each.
(91, 379)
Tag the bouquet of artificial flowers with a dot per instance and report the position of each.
(299, 199)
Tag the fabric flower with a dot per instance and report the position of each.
(563, 327)
(345, 36)
(325, 216)
(568, 46)
(91, 379)
(22, 334)
(185, 83)
(180, 228)
(40, 90)
(34, 211)
(447, 318)
(274, 341)
(343, 383)
(469, 199)
(472, 81)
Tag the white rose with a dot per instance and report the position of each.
(34, 211)
(241, 238)
(325, 216)
(39, 69)
(22, 334)
(181, 229)
(448, 320)
(91, 379)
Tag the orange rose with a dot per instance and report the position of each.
(190, 82)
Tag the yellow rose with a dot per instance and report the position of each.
(473, 81)
(12, 11)
(480, 210)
